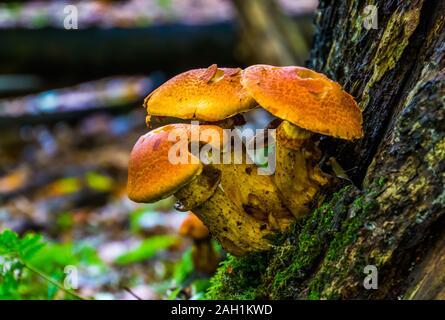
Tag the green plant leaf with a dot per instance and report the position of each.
(99, 181)
(147, 249)
(25, 248)
(174, 293)
(184, 267)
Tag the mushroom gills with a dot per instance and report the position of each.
(156, 121)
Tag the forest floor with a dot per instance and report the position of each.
(67, 182)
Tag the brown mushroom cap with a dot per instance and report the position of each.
(305, 98)
(151, 175)
(211, 94)
(193, 227)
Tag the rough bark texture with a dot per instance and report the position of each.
(397, 74)
(396, 219)
(379, 67)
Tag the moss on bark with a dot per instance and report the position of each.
(317, 242)
(398, 216)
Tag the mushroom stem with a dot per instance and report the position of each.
(252, 192)
(237, 232)
(256, 194)
(298, 175)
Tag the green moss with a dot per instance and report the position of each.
(309, 247)
(344, 238)
(392, 44)
(238, 278)
(381, 181)
(313, 295)
(305, 253)
(316, 243)
(333, 264)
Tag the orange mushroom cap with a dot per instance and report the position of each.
(211, 94)
(305, 98)
(193, 227)
(151, 174)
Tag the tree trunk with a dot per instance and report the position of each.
(393, 218)
(396, 72)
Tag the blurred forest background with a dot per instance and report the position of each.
(70, 112)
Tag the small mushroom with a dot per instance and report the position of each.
(192, 227)
(205, 258)
(152, 176)
(209, 94)
(307, 102)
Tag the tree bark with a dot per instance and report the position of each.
(393, 218)
(396, 72)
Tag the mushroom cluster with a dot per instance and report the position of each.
(240, 207)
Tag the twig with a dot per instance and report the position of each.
(54, 282)
(132, 293)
